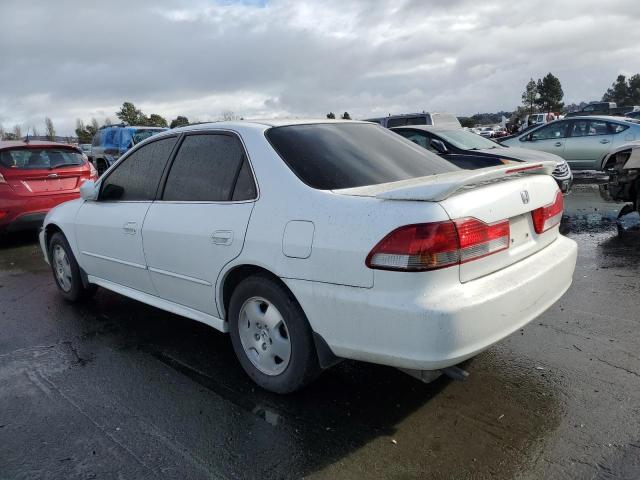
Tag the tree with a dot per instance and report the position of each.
(549, 93)
(529, 96)
(467, 122)
(17, 132)
(331, 115)
(34, 131)
(619, 92)
(346, 116)
(634, 89)
(179, 121)
(155, 120)
(2, 132)
(128, 113)
(50, 131)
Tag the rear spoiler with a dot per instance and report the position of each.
(435, 188)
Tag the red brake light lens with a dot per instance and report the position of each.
(548, 216)
(429, 246)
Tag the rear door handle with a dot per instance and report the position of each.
(129, 228)
(558, 144)
(604, 140)
(222, 237)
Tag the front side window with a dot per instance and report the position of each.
(550, 132)
(136, 178)
(418, 138)
(345, 155)
(40, 158)
(207, 168)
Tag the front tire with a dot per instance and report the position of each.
(66, 271)
(271, 335)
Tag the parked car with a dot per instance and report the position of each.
(311, 241)
(603, 108)
(440, 119)
(584, 142)
(111, 141)
(500, 132)
(634, 115)
(85, 148)
(486, 132)
(623, 167)
(471, 151)
(36, 176)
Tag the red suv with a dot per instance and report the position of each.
(35, 177)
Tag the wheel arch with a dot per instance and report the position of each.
(236, 274)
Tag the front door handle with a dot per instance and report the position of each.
(129, 228)
(558, 144)
(222, 237)
(604, 140)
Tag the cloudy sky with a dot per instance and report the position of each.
(267, 58)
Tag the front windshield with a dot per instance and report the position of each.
(466, 140)
(141, 135)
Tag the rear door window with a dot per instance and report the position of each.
(136, 178)
(345, 155)
(207, 168)
(616, 127)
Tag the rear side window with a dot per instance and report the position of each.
(206, 169)
(138, 175)
(617, 128)
(401, 121)
(345, 155)
(39, 158)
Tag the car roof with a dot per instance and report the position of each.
(7, 144)
(273, 122)
(430, 128)
(598, 117)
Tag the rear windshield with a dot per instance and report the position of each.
(346, 155)
(39, 158)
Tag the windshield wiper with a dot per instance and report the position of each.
(64, 165)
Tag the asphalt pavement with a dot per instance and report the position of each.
(113, 388)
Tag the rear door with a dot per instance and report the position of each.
(199, 223)
(109, 230)
(587, 143)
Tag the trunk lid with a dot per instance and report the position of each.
(31, 183)
(490, 195)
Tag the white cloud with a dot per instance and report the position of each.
(303, 58)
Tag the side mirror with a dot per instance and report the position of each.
(88, 191)
(438, 145)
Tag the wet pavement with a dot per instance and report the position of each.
(113, 388)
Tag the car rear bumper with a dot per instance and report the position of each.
(27, 213)
(429, 328)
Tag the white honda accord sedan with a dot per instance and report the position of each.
(312, 241)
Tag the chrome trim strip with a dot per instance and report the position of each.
(116, 260)
(181, 277)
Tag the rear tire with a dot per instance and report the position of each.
(271, 336)
(66, 271)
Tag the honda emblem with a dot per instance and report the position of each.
(524, 195)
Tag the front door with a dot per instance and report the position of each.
(587, 144)
(199, 223)
(109, 230)
(550, 138)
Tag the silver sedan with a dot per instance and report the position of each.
(584, 142)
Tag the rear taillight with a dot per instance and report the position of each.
(93, 172)
(429, 246)
(2, 180)
(548, 216)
